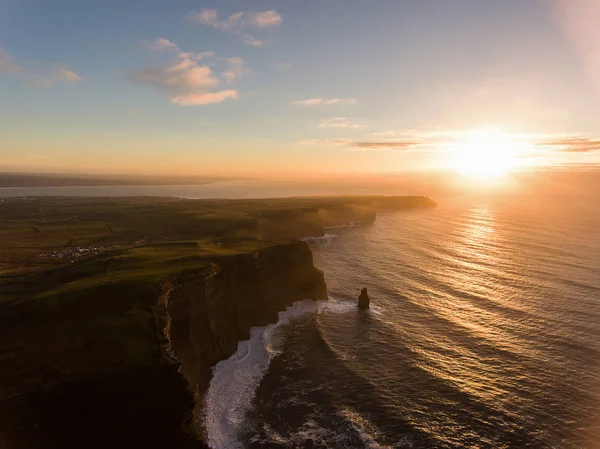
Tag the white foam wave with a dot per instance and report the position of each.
(363, 427)
(235, 380)
(322, 242)
(351, 224)
(336, 306)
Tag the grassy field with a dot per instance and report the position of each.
(42, 233)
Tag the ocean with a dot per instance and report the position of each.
(483, 333)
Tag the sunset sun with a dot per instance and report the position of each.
(484, 154)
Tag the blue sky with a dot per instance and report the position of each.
(282, 86)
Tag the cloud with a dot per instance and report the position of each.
(188, 83)
(336, 142)
(340, 122)
(572, 144)
(325, 102)
(265, 19)
(60, 74)
(389, 133)
(238, 21)
(393, 145)
(198, 99)
(252, 41)
(237, 69)
(375, 145)
(7, 63)
(159, 44)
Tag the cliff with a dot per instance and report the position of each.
(124, 367)
(211, 312)
(316, 215)
(114, 310)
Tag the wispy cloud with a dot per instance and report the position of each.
(159, 44)
(336, 142)
(8, 64)
(204, 98)
(341, 122)
(445, 141)
(239, 22)
(325, 102)
(391, 145)
(252, 41)
(59, 75)
(572, 144)
(190, 83)
(237, 69)
(35, 76)
(265, 19)
(362, 145)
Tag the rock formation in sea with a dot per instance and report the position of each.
(364, 301)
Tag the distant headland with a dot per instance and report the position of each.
(82, 180)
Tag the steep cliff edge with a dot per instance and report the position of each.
(122, 367)
(315, 216)
(210, 312)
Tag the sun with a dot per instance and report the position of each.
(484, 154)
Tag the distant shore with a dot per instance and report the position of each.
(75, 180)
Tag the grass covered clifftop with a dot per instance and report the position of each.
(43, 232)
(113, 310)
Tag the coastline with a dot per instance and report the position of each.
(120, 344)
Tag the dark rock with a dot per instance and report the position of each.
(363, 300)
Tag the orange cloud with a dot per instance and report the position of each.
(340, 122)
(159, 44)
(60, 74)
(204, 98)
(393, 145)
(187, 82)
(379, 145)
(325, 102)
(335, 142)
(573, 144)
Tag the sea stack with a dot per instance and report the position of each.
(363, 300)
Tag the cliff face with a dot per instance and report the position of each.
(211, 311)
(132, 377)
(312, 221)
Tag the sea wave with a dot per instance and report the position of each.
(235, 380)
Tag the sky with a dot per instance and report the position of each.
(289, 87)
